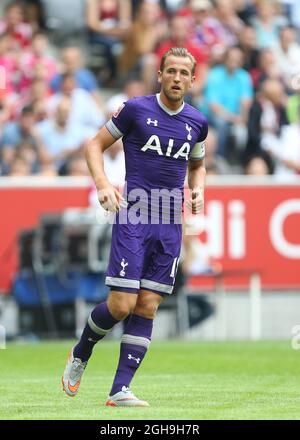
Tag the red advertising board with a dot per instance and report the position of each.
(22, 204)
(255, 228)
(246, 226)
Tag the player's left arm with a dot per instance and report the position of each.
(196, 182)
(197, 171)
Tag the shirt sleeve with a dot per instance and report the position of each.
(121, 121)
(198, 152)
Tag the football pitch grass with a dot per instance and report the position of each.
(180, 380)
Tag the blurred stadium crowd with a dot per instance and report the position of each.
(60, 80)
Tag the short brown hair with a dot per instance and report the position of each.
(178, 52)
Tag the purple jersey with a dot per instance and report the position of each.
(158, 142)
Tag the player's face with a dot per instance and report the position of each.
(176, 78)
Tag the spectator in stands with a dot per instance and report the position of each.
(4, 108)
(37, 54)
(16, 132)
(148, 29)
(271, 56)
(109, 22)
(38, 98)
(287, 56)
(266, 119)
(230, 25)
(77, 166)
(8, 63)
(248, 44)
(267, 68)
(293, 102)
(246, 10)
(228, 95)
(30, 154)
(171, 7)
(213, 161)
(267, 23)
(133, 87)
(19, 168)
(47, 170)
(292, 11)
(61, 139)
(180, 36)
(288, 155)
(23, 66)
(215, 28)
(84, 109)
(72, 62)
(34, 13)
(40, 110)
(13, 23)
(36, 95)
(259, 165)
(6, 87)
(205, 26)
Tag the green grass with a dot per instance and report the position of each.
(181, 380)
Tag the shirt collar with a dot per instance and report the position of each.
(166, 109)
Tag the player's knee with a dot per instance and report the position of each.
(120, 311)
(121, 306)
(146, 309)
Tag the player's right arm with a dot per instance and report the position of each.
(109, 197)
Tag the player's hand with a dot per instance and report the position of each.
(110, 199)
(196, 202)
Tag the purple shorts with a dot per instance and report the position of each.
(144, 256)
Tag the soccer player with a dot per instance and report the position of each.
(162, 138)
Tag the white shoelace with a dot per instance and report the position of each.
(127, 390)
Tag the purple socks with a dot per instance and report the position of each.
(99, 324)
(134, 345)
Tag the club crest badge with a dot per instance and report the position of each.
(123, 264)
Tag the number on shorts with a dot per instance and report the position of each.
(173, 271)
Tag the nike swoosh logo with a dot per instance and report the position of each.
(74, 388)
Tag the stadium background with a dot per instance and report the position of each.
(65, 67)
